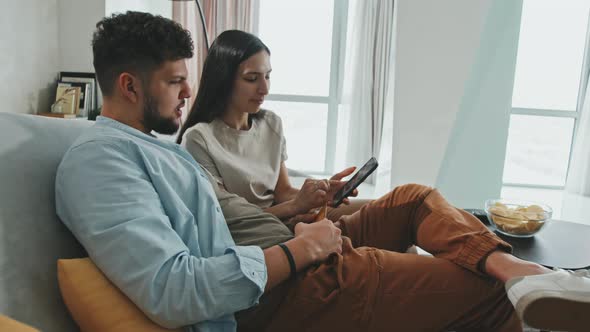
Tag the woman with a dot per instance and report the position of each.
(242, 145)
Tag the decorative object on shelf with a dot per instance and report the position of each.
(57, 108)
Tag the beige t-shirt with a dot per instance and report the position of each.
(245, 162)
(248, 224)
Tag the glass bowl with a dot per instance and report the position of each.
(517, 218)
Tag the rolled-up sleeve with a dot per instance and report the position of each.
(110, 204)
(252, 264)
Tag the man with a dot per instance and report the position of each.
(157, 225)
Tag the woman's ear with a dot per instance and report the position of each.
(129, 86)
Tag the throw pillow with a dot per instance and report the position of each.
(9, 324)
(96, 304)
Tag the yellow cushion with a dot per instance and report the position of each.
(95, 303)
(8, 324)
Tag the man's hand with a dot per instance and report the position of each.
(313, 243)
(304, 218)
(321, 239)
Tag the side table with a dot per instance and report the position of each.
(560, 244)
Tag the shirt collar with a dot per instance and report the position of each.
(110, 122)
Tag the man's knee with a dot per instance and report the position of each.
(414, 187)
(410, 192)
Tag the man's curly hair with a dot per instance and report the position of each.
(138, 43)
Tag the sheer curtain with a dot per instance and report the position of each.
(369, 78)
(220, 15)
(186, 13)
(578, 178)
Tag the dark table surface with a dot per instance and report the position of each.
(560, 244)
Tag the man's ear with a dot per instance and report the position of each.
(129, 86)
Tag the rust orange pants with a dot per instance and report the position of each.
(375, 286)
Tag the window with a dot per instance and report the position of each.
(547, 79)
(306, 39)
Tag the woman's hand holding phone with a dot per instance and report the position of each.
(313, 194)
(336, 184)
(317, 193)
(349, 188)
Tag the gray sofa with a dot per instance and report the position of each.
(31, 236)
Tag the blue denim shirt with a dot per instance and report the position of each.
(149, 219)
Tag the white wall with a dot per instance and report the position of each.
(440, 75)
(472, 169)
(77, 21)
(435, 46)
(157, 7)
(29, 55)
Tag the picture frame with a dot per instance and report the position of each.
(84, 102)
(67, 100)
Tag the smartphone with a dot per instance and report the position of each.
(355, 181)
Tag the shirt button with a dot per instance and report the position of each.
(218, 209)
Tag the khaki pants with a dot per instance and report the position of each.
(375, 286)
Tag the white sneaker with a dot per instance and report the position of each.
(554, 301)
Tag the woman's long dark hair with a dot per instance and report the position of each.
(228, 50)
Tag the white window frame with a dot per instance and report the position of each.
(585, 74)
(338, 55)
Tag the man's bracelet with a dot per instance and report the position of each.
(290, 259)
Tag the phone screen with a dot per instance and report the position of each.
(355, 181)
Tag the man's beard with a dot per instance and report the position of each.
(154, 121)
